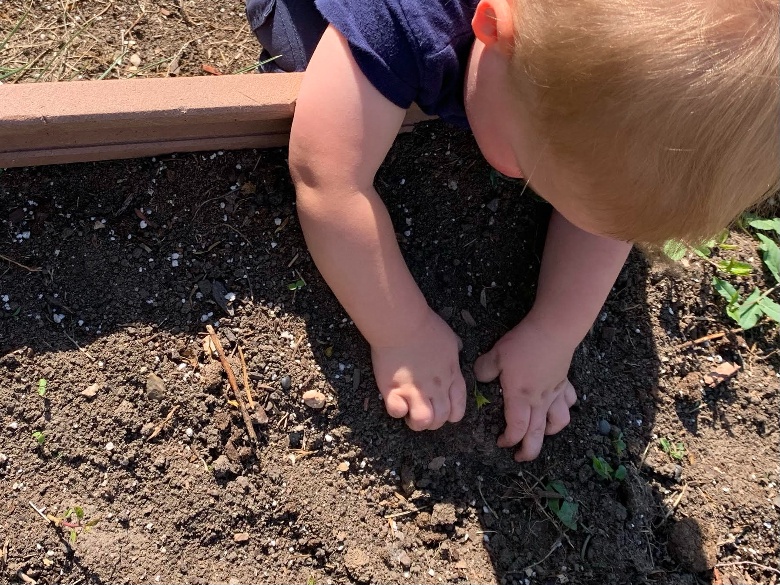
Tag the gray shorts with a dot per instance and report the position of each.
(288, 31)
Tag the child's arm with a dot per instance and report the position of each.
(532, 360)
(342, 130)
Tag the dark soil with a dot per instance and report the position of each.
(123, 268)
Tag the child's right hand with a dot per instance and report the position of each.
(421, 380)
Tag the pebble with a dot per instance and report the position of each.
(314, 399)
(3, 458)
(135, 59)
(90, 391)
(286, 383)
(604, 427)
(109, 446)
(223, 467)
(189, 432)
(241, 537)
(405, 561)
(155, 387)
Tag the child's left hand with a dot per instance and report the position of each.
(532, 367)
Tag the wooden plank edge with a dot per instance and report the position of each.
(65, 122)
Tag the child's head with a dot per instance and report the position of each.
(661, 117)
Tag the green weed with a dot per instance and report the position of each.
(605, 470)
(39, 436)
(480, 398)
(746, 312)
(42, 387)
(564, 508)
(296, 285)
(675, 449)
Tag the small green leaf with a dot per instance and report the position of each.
(73, 536)
(621, 472)
(79, 512)
(735, 267)
(771, 255)
(725, 289)
(766, 224)
(675, 250)
(567, 512)
(481, 399)
(42, 387)
(770, 308)
(704, 251)
(39, 436)
(602, 468)
(666, 446)
(748, 313)
(557, 486)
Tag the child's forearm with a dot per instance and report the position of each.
(578, 271)
(352, 240)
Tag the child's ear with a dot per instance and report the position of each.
(493, 22)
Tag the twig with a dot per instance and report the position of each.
(750, 563)
(676, 503)
(556, 545)
(484, 501)
(4, 555)
(234, 386)
(707, 338)
(81, 349)
(27, 268)
(405, 513)
(245, 377)
(158, 429)
(40, 512)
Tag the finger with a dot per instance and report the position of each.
(486, 368)
(396, 404)
(458, 398)
(557, 415)
(421, 413)
(532, 441)
(441, 411)
(569, 394)
(517, 413)
(460, 343)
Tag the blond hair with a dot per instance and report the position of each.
(669, 109)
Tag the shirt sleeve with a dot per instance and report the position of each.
(382, 45)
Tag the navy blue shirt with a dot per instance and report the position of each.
(410, 50)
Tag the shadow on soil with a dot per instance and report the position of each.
(130, 253)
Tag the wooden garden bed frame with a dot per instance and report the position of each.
(79, 121)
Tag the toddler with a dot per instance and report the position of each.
(638, 120)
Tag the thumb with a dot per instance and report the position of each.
(486, 367)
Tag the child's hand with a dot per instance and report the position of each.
(421, 380)
(533, 370)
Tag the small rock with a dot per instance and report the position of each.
(405, 561)
(90, 391)
(604, 427)
(314, 399)
(721, 373)
(242, 481)
(223, 467)
(493, 205)
(343, 467)
(467, 318)
(443, 515)
(295, 439)
(109, 446)
(286, 383)
(437, 463)
(155, 387)
(241, 537)
(135, 60)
